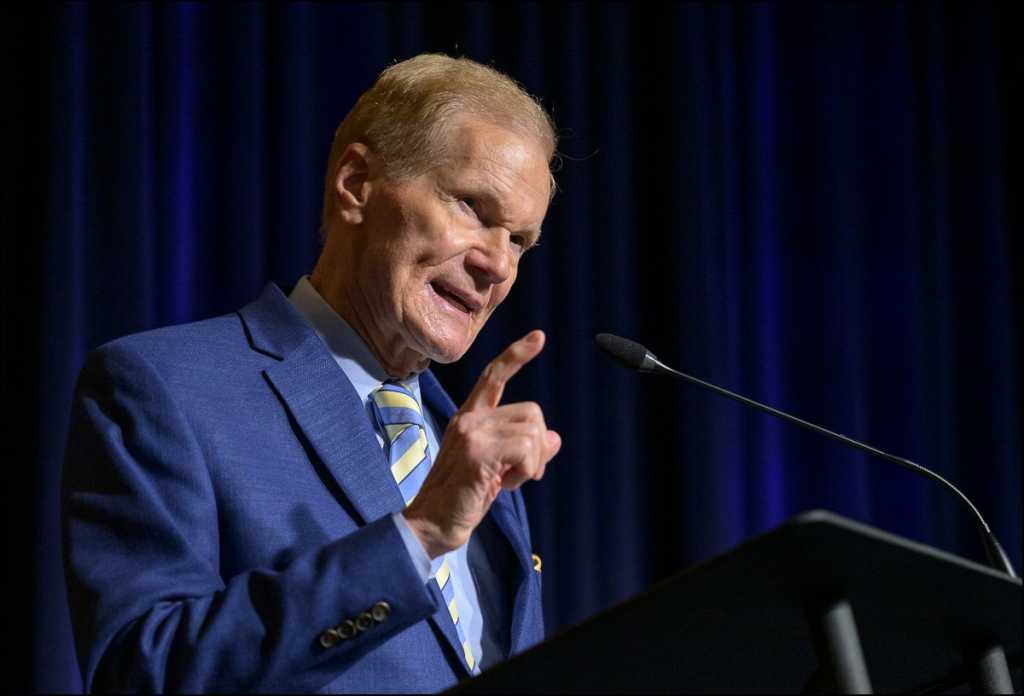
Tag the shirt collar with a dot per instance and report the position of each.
(348, 348)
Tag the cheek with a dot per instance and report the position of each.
(500, 292)
(513, 273)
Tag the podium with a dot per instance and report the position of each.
(820, 604)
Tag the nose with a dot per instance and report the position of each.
(491, 257)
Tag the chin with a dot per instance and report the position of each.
(444, 348)
(445, 354)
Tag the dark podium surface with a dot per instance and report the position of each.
(741, 622)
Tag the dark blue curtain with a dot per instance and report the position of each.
(815, 205)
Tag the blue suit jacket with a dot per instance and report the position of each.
(225, 500)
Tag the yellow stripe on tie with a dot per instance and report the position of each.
(442, 574)
(408, 461)
(395, 430)
(390, 399)
(396, 409)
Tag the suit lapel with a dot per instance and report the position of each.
(332, 417)
(503, 509)
(437, 400)
(324, 404)
(525, 588)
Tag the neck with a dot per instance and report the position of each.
(397, 360)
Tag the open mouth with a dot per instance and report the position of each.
(452, 298)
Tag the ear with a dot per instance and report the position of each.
(352, 181)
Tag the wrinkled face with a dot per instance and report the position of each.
(440, 251)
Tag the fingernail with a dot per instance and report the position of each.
(533, 337)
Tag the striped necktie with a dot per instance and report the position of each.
(401, 423)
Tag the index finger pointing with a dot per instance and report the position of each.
(487, 392)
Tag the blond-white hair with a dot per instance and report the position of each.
(407, 116)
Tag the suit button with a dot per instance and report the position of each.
(346, 629)
(329, 638)
(380, 611)
(364, 622)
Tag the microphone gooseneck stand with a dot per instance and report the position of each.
(833, 630)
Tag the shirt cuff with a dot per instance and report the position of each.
(417, 554)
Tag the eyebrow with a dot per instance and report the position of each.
(492, 199)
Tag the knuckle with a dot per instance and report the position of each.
(492, 372)
(474, 438)
(461, 423)
(528, 444)
(534, 411)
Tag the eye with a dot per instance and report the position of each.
(518, 240)
(468, 202)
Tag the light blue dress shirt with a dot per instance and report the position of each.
(366, 374)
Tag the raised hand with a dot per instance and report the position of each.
(486, 447)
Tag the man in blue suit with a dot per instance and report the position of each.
(233, 517)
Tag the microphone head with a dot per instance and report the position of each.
(628, 354)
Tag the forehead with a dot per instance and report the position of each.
(511, 164)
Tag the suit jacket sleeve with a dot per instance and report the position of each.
(145, 528)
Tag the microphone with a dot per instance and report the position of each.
(634, 356)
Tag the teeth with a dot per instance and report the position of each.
(453, 297)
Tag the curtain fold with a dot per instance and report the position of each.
(817, 206)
